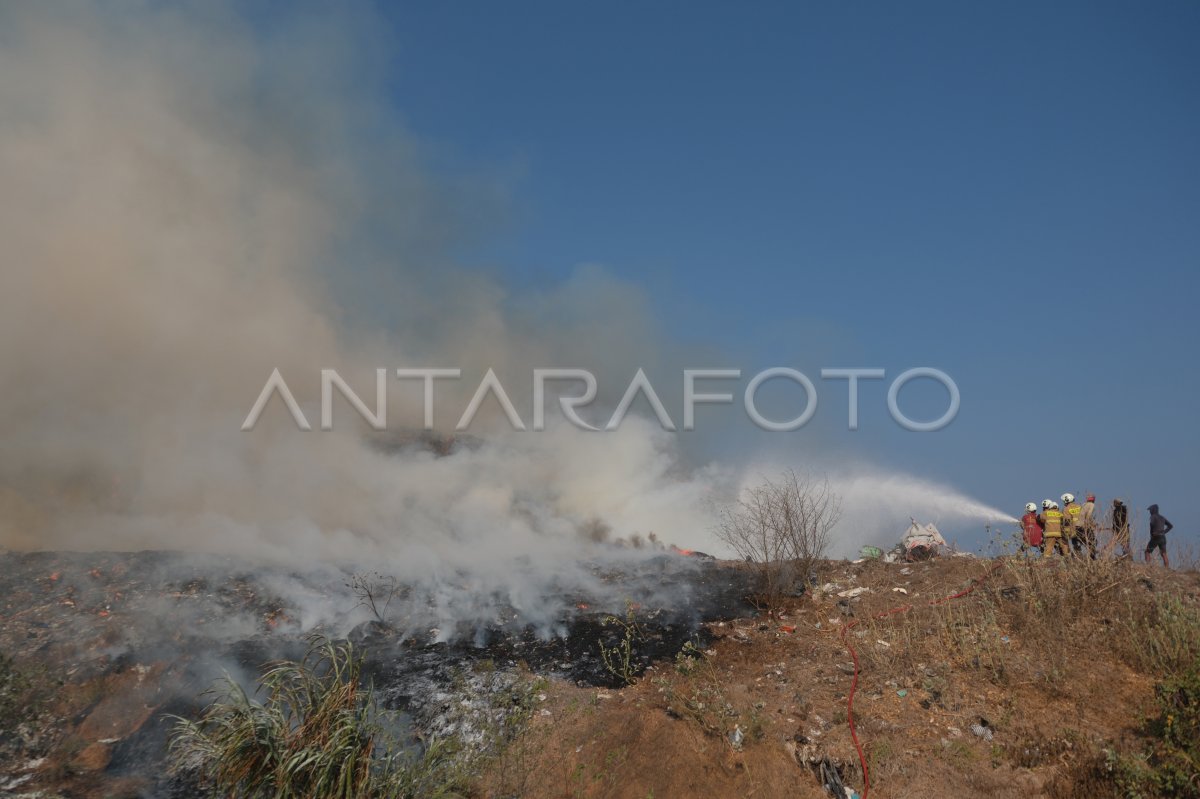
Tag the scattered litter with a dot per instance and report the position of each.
(982, 730)
(906, 570)
(902, 693)
(900, 590)
(871, 552)
(788, 628)
(850, 593)
(736, 737)
(884, 644)
(860, 560)
(1004, 639)
(831, 779)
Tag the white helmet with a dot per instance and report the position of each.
(1029, 506)
(1068, 499)
(1054, 505)
(1047, 503)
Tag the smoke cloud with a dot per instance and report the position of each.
(190, 199)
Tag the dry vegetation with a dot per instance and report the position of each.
(782, 528)
(1079, 677)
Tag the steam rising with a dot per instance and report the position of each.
(179, 190)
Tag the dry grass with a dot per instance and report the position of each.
(317, 734)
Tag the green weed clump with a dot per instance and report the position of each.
(1171, 767)
(619, 658)
(317, 733)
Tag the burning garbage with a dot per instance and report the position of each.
(921, 542)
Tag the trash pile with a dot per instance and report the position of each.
(919, 542)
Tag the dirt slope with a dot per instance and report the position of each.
(1045, 698)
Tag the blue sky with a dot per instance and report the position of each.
(1008, 192)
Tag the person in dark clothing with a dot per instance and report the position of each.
(1159, 527)
(1120, 528)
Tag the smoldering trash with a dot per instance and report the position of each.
(130, 639)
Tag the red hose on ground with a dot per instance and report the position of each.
(846, 628)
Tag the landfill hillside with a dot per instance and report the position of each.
(954, 676)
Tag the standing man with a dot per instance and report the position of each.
(1052, 523)
(1088, 524)
(1072, 521)
(1120, 528)
(1159, 527)
(1032, 525)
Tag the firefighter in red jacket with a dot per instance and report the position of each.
(1032, 525)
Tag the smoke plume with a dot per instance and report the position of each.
(190, 199)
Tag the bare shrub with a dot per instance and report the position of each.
(781, 527)
(375, 592)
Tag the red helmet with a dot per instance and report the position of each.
(1091, 497)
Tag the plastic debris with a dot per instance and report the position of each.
(736, 737)
(871, 552)
(902, 693)
(900, 590)
(982, 730)
(850, 593)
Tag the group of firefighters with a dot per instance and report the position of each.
(1071, 529)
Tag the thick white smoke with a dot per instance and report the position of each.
(189, 201)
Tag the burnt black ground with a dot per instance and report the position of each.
(107, 619)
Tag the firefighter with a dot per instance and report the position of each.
(1120, 528)
(1087, 525)
(1052, 526)
(1032, 538)
(1072, 520)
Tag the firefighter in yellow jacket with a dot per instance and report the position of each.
(1052, 526)
(1073, 522)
